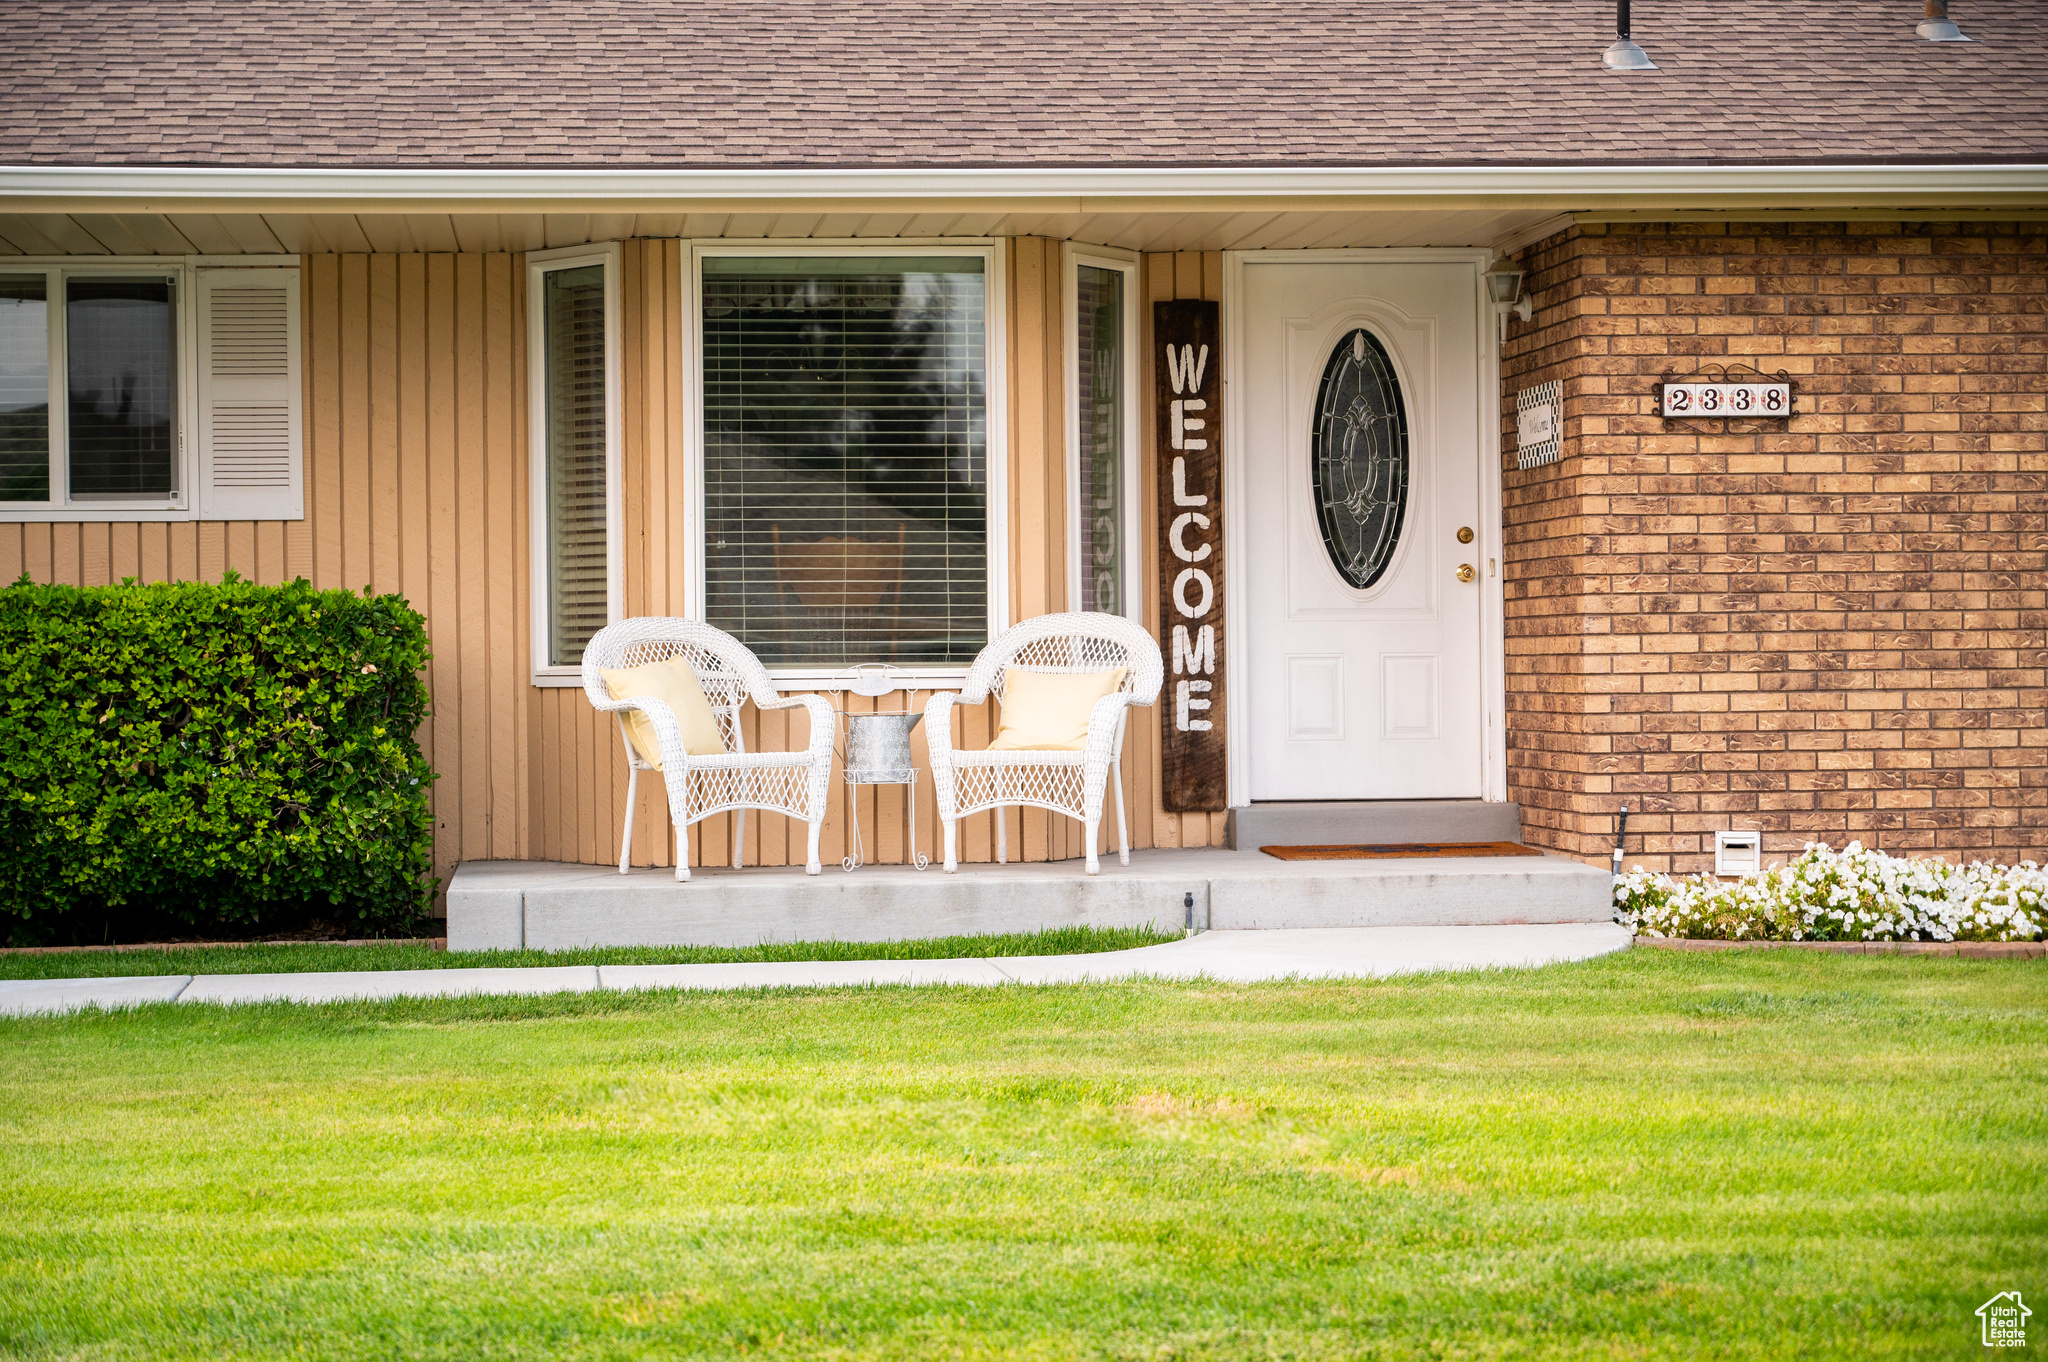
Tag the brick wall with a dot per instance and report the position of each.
(1831, 629)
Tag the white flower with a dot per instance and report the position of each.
(1859, 893)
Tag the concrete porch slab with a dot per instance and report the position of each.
(543, 905)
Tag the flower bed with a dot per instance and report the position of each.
(1855, 894)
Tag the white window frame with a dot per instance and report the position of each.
(1126, 263)
(996, 416)
(185, 270)
(539, 264)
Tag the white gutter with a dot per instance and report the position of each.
(1950, 184)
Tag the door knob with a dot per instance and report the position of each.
(1465, 573)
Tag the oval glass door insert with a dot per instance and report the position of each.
(1359, 458)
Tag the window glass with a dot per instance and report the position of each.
(24, 388)
(845, 479)
(1359, 472)
(572, 303)
(1099, 312)
(121, 370)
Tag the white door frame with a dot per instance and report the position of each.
(1493, 638)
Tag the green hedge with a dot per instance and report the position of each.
(226, 756)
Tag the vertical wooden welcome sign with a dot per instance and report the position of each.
(1188, 391)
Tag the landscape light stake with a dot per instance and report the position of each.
(1620, 836)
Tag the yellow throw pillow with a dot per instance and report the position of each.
(1048, 711)
(673, 681)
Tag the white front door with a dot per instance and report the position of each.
(1362, 452)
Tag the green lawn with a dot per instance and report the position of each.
(304, 958)
(1650, 1155)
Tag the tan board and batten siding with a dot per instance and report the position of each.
(416, 483)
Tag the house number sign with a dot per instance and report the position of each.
(1188, 393)
(1714, 400)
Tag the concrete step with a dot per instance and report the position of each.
(1325, 823)
(543, 905)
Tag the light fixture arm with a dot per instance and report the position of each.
(1521, 307)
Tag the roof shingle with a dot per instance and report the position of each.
(851, 83)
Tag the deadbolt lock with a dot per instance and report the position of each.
(1465, 572)
(1464, 534)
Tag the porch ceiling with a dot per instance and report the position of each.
(321, 233)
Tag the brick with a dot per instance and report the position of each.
(1833, 624)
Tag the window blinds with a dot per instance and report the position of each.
(845, 479)
(121, 367)
(24, 388)
(578, 599)
(1098, 310)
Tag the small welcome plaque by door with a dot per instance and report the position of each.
(1188, 391)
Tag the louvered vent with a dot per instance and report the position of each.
(250, 333)
(252, 445)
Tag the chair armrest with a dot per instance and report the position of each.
(1105, 725)
(1148, 681)
(822, 719)
(938, 726)
(601, 699)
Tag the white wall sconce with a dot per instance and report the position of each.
(1504, 286)
(1937, 27)
(1622, 54)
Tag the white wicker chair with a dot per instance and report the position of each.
(1063, 782)
(786, 782)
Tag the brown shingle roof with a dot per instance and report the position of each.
(724, 83)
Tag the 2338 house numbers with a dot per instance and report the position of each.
(1726, 399)
(1718, 392)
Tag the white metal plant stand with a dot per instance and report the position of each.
(877, 752)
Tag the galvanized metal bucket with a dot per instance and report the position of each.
(878, 748)
(877, 752)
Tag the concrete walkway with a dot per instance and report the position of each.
(1227, 956)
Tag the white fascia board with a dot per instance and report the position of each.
(160, 189)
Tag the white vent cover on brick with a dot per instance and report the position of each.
(249, 398)
(1738, 852)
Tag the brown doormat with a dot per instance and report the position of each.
(1373, 851)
